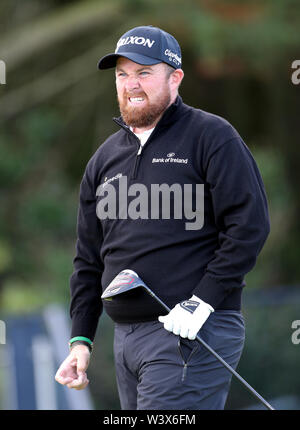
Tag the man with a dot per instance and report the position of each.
(174, 195)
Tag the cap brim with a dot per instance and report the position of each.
(110, 60)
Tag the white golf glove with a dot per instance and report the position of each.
(187, 317)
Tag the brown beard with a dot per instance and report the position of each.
(136, 117)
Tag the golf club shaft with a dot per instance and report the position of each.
(218, 357)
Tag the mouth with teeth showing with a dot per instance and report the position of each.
(136, 100)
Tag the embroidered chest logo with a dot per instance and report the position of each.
(170, 158)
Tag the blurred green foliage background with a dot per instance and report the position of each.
(56, 108)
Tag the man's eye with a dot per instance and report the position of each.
(144, 73)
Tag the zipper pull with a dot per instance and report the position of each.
(136, 163)
(184, 372)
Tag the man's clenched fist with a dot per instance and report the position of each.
(72, 371)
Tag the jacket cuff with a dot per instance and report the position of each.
(85, 326)
(212, 290)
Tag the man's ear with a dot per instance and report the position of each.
(176, 78)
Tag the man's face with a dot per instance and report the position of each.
(143, 92)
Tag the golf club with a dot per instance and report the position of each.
(127, 280)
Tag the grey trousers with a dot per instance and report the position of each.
(157, 370)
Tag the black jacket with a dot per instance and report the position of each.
(175, 257)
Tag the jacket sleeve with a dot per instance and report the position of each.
(240, 212)
(85, 282)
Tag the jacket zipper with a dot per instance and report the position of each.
(136, 163)
(139, 152)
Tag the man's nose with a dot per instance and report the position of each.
(132, 83)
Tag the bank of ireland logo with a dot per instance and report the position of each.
(169, 159)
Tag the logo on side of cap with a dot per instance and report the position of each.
(173, 57)
(134, 40)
